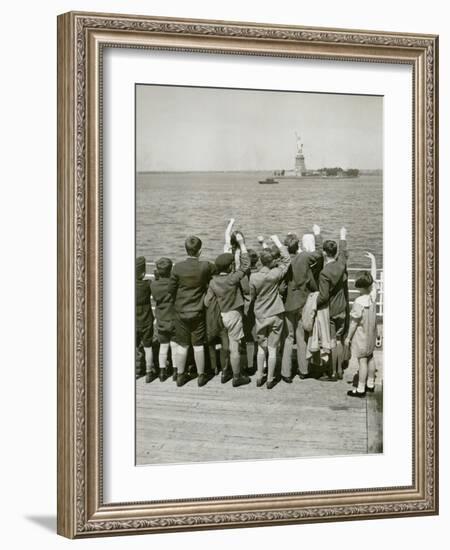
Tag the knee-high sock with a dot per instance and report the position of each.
(362, 374)
(261, 361)
(250, 347)
(163, 351)
(148, 359)
(199, 355)
(174, 349)
(334, 359)
(235, 358)
(371, 366)
(182, 352)
(272, 363)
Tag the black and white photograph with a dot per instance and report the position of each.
(259, 274)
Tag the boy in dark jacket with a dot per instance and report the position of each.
(332, 294)
(164, 313)
(144, 318)
(187, 287)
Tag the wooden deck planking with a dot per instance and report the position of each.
(219, 422)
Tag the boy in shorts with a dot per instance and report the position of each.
(164, 315)
(225, 286)
(187, 287)
(144, 318)
(269, 308)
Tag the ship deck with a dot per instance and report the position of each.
(218, 422)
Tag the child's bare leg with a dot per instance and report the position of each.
(199, 355)
(334, 361)
(261, 361)
(235, 358)
(362, 375)
(272, 363)
(371, 366)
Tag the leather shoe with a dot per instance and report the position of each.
(226, 376)
(182, 379)
(352, 393)
(150, 376)
(241, 380)
(271, 383)
(261, 381)
(287, 379)
(163, 375)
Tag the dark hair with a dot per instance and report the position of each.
(330, 248)
(254, 257)
(291, 242)
(193, 245)
(363, 279)
(164, 267)
(233, 241)
(274, 250)
(266, 257)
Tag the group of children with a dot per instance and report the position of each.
(257, 304)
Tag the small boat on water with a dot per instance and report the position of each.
(268, 181)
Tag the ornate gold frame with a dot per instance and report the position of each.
(81, 37)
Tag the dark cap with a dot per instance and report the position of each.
(224, 261)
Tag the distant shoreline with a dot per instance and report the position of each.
(375, 172)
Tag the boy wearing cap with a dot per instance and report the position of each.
(225, 286)
(164, 313)
(144, 318)
(269, 308)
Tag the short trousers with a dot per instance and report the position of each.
(144, 336)
(269, 330)
(232, 321)
(165, 331)
(337, 326)
(190, 329)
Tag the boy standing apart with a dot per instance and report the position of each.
(269, 308)
(332, 293)
(225, 286)
(144, 318)
(187, 288)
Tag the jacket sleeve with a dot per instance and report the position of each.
(343, 252)
(317, 254)
(285, 261)
(173, 285)
(324, 290)
(241, 272)
(208, 296)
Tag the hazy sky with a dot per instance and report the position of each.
(182, 128)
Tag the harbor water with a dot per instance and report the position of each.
(171, 206)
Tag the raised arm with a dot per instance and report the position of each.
(318, 241)
(244, 260)
(343, 252)
(285, 259)
(228, 230)
(373, 272)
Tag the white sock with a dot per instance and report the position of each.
(370, 382)
(361, 388)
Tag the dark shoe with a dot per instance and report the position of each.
(352, 393)
(287, 379)
(150, 376)
(371, 390)
(183, 379)
(241, 381)
(261, 381)
(203, 379)
(163, 376)
(271, 383)
(331, 378)
(304, 376)
(226, 376)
